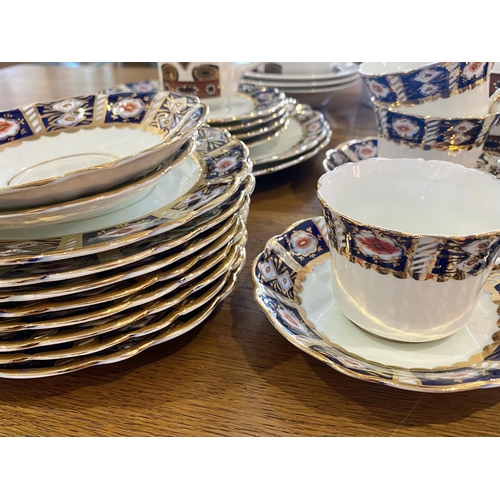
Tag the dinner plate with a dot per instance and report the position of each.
(133, 261)
(251, 102)
(24, 339)
(293, 286)
(182, 264)
(158, 295)
(62, 150)
(188, 314)
(306, 129)
(160, 247)
(221, 165)
(286, 72)
(361, 149)
(96, 204)
(285, 85)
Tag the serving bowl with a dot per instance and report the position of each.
(75, 147)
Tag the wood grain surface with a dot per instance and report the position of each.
(234, 375)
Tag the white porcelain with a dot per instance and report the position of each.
(75, 147)
(207, 179)
(90, 207)
(444, 90)
(425, 232)
(301, 84)
(281, 165)
(306, 129)
(305, 311)
(128, 341)
(403, 134)
(305, 70)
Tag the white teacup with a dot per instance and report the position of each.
(215, 83)
(441, 89)
(403, 134)
(412, 243)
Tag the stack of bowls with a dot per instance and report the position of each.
(313, 83)
(122, 226)
(279, 131)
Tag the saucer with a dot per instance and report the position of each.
(292, 280)
(202, 182)
(362, 149)
(306, 129)
(59, 151)
(277, 166)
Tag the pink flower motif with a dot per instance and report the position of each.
(405, 127)
(8, 128)
(366, 151)
(383, 248)
(128, 107)
(225, 164)
(303, 242)
(473, 70)
(378, 89)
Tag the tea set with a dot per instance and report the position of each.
(397, 282)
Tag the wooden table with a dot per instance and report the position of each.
(234, 375)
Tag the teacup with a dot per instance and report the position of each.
(215, 83)
(402, 134)
(442, 89)
(412, 243)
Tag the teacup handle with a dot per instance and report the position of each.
(494, 102)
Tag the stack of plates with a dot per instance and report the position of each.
(98, 277)
(279, 131)
(310, 83)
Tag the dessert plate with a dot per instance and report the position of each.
(277, 166)
(144, 275)
(251, 102)
(91, 206)
(134, 267)
(306, 129)
(361, 149)
(159, 248)
(292, 280)
(186, 316)
(23, 340)
(157, 297)
(194, 188)
(62, 150)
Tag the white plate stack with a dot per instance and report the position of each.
(313, 83)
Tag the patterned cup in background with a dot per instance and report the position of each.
(214, 83)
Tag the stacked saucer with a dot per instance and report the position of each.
(312, 83)
(279, 131)
(99, 278)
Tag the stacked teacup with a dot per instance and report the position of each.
(432, 110)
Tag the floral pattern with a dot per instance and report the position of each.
(425, 84)
(386, 251)
(128, 107)
(405, 127)
(303, 242)
(291, 321)
(67, 105)
(8, 128)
